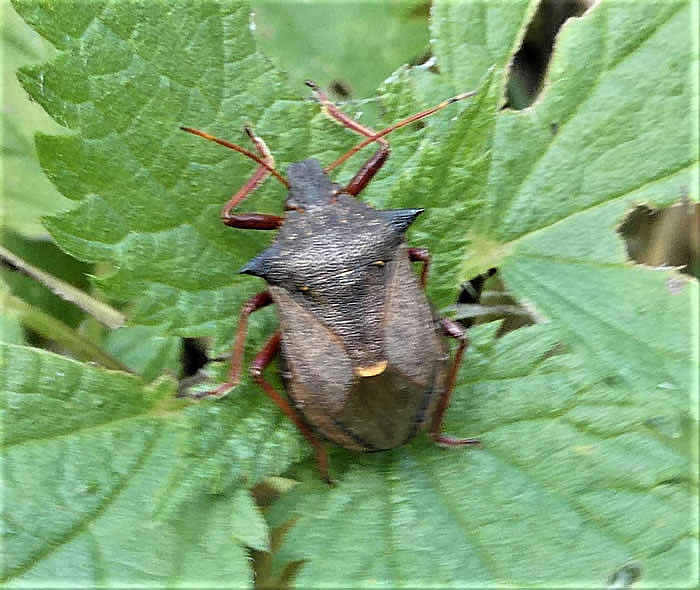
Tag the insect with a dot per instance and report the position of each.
(364, 359)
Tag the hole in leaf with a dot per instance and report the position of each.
(341, 89)
(627, 575)
(194, 357)
(664, 237)
(194, 361)
(485, 298)
(531, 61)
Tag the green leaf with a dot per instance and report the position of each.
(377, 38)
(589, 455)
(541, 199)
(87, 454)
(11, 331)
(26, 192)
(145, 351)
(471, 37)
(575, 477)
(249, 525)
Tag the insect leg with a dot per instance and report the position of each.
(421, 255)
(261, 361)
(398, 125)
(367, 172)
(240, 150)
(453, 330)
(266, 167)
(253, 221)
(255, 181)
(371, 166)
(256, 302)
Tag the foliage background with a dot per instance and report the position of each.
(589, 420)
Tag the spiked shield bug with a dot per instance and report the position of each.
(365, 361)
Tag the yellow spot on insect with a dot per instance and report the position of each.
(372, 370)
(304, 288)
(378, 263)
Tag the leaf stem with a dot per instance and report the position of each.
(102, 312)
(53, 329)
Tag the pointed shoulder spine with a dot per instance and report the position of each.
(400, 219)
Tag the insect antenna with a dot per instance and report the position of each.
(240, 150)
(398, 125)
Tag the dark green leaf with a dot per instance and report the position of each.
(87, 455)
(589, 443)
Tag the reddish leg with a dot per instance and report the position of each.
(261, 361)
(266, 167)
(256, 302)
(367, 172)
(371, 166)
(253, 221)
(407, 121)
(453, 330)
(255, 181)
(456, 331)
(240, 150)
(421, 255)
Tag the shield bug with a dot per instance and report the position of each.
(365, 361)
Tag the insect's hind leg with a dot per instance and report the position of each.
(261, 361)
(375, 162)
(456, 331)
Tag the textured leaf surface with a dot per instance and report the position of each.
(543, 203)
(143, 350)
(575, 478)
(87, 456)
(589, 460)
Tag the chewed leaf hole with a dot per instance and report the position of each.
(194, 356)
(530, 63)
(664, 237)
(625, 576)
(485, 298)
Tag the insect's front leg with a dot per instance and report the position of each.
(261, 361)
(266, 166)
(456, 331)
(255, 181)
(253, 221)
(375, 162)
(255, 303)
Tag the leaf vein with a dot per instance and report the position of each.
(458, 519)
(83, 524)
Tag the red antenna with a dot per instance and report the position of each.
(395, 126)
(240, 150)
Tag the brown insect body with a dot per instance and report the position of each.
(365, 362)
(364, 358)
